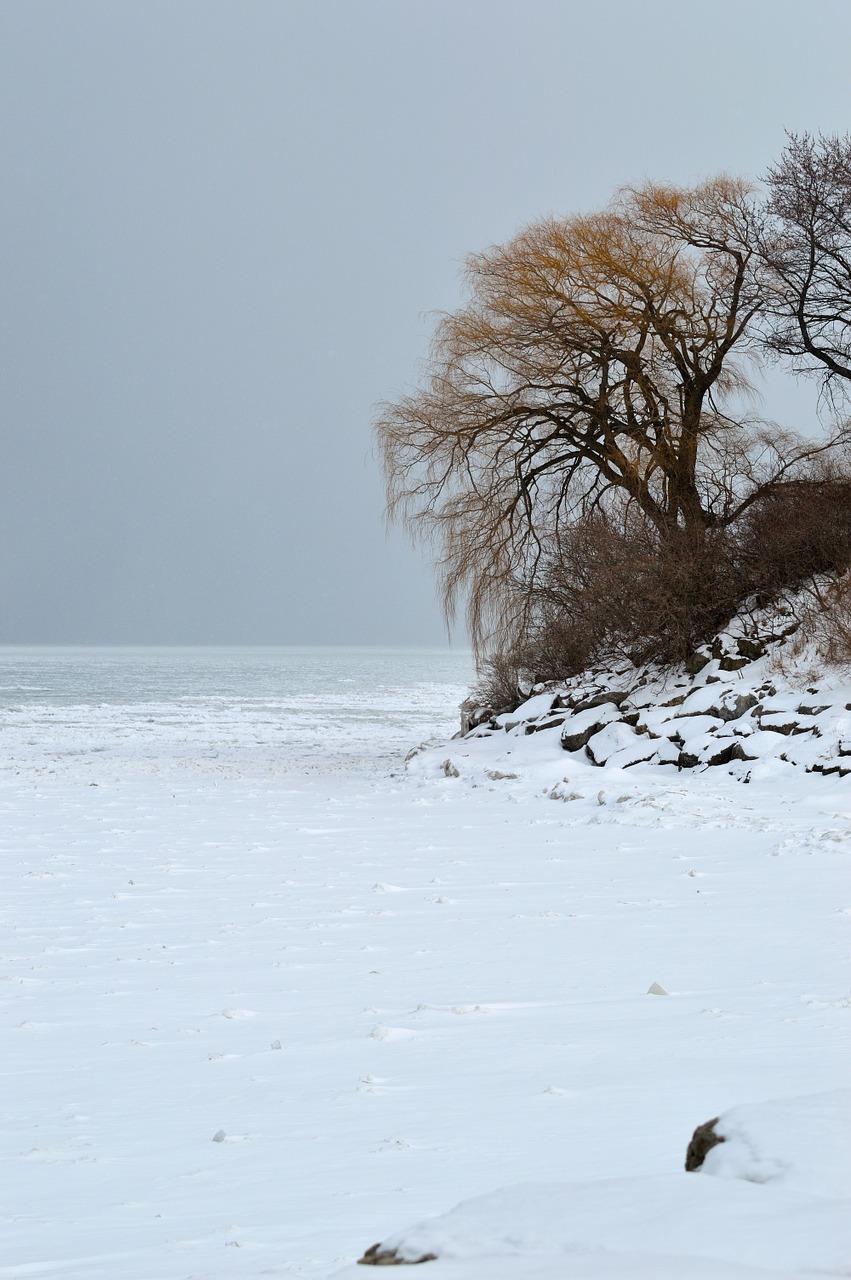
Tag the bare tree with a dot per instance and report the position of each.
(596, 360)
(806, 244)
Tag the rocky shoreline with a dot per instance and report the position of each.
(748, 697)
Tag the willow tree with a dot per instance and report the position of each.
(593, 362)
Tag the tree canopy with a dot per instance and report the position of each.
(600, 362)
(806, 244)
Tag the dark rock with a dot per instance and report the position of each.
(600, 699)
(734, 710)
(375, 1256)
(473, 714)
(750, 649)
(812, 711)
(703, 1140)
(548, 722)
(632, 718)
(734, 751)
(786, 728)
(696, 662)
(577, 740)
(726, 663)
(685, 760)
(726, 711)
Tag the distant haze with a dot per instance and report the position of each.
(225, 226)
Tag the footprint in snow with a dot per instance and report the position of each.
(392, 1145)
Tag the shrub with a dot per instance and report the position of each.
(616, 590)
(613, 589)
(794, 531)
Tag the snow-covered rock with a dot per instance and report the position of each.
(802, 1142)
(745, 706)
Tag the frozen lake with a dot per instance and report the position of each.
(277, 710)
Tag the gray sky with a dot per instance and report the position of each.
(225, 224)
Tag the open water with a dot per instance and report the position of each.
(265, 710)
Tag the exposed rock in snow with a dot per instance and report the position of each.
(798, 1141)
(735, 704)
(704, 1138)
(676, 1224)
(376, 1256)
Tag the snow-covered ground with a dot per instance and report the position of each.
(262, 1008)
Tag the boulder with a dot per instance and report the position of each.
(613, 740)
(548, 722)
(703, 1140)
(726, 754)
(750, 649)
(600, 699)
(473, 714)
(532, 709)
(576, 740)
(696, 662)
(582, 726)
(375, 1256)
(734, 707)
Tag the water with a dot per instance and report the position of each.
(250, 710)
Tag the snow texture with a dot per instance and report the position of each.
(268, 995)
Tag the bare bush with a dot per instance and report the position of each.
(833, 629)
(502, 682)
(794, 531)
(613, 589)
(823, 634)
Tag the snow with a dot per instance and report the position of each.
(264, 1005)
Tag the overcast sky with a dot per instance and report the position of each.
(226, 226)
